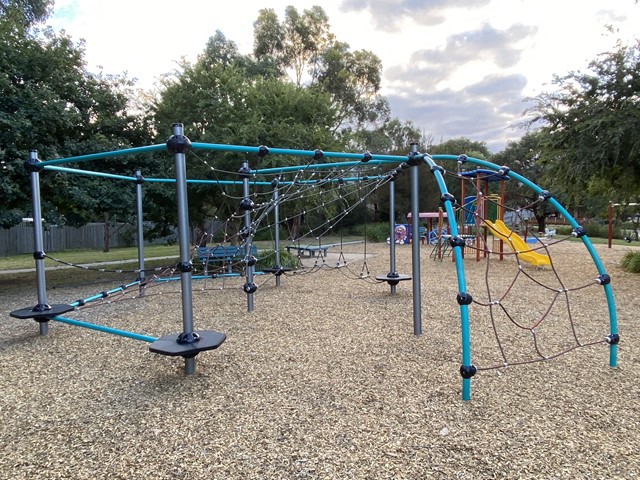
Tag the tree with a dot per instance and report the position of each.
(49, 102)
(522, 156)
(297, 44)
(25, 13)
(309, 55)
(589, 133)
(225, 97)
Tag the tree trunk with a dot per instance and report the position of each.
(295, 224)
(542, 223)
(106, 232)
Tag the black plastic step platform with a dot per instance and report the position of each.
(36, 312)
(392, 279)
(276, 270)
(171, 346)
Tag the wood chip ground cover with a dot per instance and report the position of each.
(325, 379)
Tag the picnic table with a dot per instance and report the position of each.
(320, 250)
(311, 250)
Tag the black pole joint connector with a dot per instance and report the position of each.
(39, 255)
(104, 294)
(187, 337)
(250, 287)
(603, 279)
(544, 195)
(462, 159)
(263, 151)
(437, 168)
(139, 179)
(504, 170)
(464, 298)
(318, 154)
(184, 267)
(468, 371)
(244, 172)
(612, 339)
(578, 232)
(447, 197)
(81, 302)
(413, 159)
(457, 241)
(251, 260)
(33, 166)
(178, 144)
(246, 204)
(275, 182)
(366, 156)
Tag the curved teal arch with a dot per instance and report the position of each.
(457, 251)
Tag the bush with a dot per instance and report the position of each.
(594, 229)
(268, 259)
(631, 262)
(563, 230)
(376, 232)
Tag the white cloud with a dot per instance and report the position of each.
(439, 56)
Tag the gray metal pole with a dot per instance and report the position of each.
(38, 240)
(184, 264)
(392, 231)
(250, 286)
(415, 240)
(276, 214)
(140, 230)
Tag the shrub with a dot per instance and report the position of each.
(376, 232)
(268, 259)
(631, 262)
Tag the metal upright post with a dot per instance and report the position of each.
(189, 343)
(393, 277)
(276, 214)
(247, 206)
(414, 162)
(180, 147)
(140, 230)
(38, 253)
(42, 312)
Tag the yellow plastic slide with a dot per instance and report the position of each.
(517, 244)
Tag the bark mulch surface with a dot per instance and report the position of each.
(326, 379)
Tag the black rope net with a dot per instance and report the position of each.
(532, 303)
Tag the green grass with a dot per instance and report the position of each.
(90, 256)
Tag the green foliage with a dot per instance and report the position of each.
(268, 259)
(631, 262)
(600, 229)
(49, 102)
(373, 232)
(25, 13)
(307, 53)
(563, 230)
(589, 140)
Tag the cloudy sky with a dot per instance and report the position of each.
(454, 67)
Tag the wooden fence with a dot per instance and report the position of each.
(19, 239)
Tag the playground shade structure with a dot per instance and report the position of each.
(517, 244)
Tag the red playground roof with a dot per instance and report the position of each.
(429, 215)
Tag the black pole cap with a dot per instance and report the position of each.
(178, 144)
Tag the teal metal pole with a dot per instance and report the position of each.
(97, 156)
(100, 328)
(467, 369)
